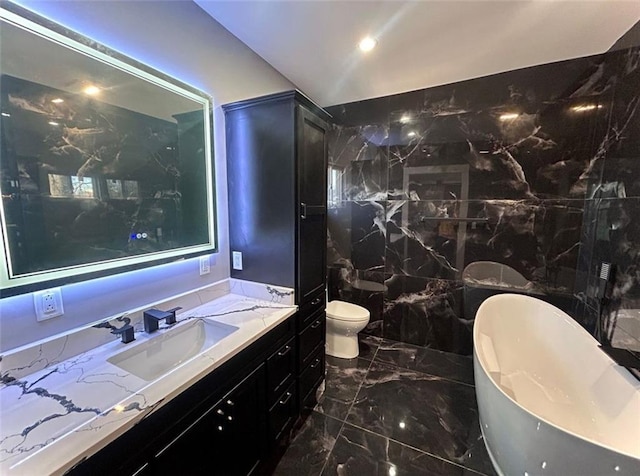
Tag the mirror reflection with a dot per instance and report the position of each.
(103, 163)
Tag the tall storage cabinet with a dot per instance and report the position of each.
(277, 178)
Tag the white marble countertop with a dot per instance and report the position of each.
(54, 417)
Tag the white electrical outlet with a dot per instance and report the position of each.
(48, 304)
(205, 267)
(237, 260)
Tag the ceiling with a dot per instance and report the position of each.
(420, 44)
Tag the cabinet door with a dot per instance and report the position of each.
(210, 446)
(312, 197)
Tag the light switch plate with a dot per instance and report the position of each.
(205, 266)
(237, 260)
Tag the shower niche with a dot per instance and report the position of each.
(106, 163)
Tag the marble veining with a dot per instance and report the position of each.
(309, 449)
(56, 410)
(443, 364)
(535, 169)
(265, 292)
(363, 442)
(426, 412)
(358, 452)
(37, 356)
(346, 376)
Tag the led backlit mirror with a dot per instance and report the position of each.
(105, 163)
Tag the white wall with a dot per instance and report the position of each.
(179, 39)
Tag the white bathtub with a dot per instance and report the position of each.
(550, 401)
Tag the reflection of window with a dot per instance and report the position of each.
(130, 189)
(122, 188)
(71, 186)
(60, 185)
(334, 191)
(114, 188)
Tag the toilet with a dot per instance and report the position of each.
(344, 321)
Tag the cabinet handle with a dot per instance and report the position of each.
(230, 403)
(220, 428)
(284, 352)
(303, 210)
(220, 412)
(286, 399)
(315, 363)
(316, 324)
(316, 301)
(140, 469)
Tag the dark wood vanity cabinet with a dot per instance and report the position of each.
(234, 425)
(234, 421)
(277, 176)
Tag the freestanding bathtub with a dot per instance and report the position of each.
(550, 401)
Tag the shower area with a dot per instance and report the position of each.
(441, 197)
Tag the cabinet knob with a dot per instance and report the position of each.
(316, 324)
(315, 363)
(220, 412)
(220, 428)
(230, 403)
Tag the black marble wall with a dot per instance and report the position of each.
(535, 171)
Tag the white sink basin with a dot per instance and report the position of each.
(172, 348)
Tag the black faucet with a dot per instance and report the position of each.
(152, 318)
(126, 334)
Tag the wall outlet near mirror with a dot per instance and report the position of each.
(48, 304)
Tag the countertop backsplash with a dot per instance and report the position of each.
(40, 355)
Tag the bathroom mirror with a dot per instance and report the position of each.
(106, 164)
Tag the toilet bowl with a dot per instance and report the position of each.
(344, 321)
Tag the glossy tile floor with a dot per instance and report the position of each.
(396, 410)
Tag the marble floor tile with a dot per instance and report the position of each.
(342, 382)
(308, 451)
(368, 346)
(359, 452)
(430, 361)
(426, 412)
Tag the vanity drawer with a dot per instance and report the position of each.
(311, 377)
(309, 308)
(280, 369)
(312, 336)
(282, 414)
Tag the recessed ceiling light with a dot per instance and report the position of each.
(54, 123)
(367, 44)
(57, 100)
(6, 114)
(586, 107)
(405, 119)
(509, 116)
(411, 134)
(91, 90)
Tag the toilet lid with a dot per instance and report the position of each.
(345, 311)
